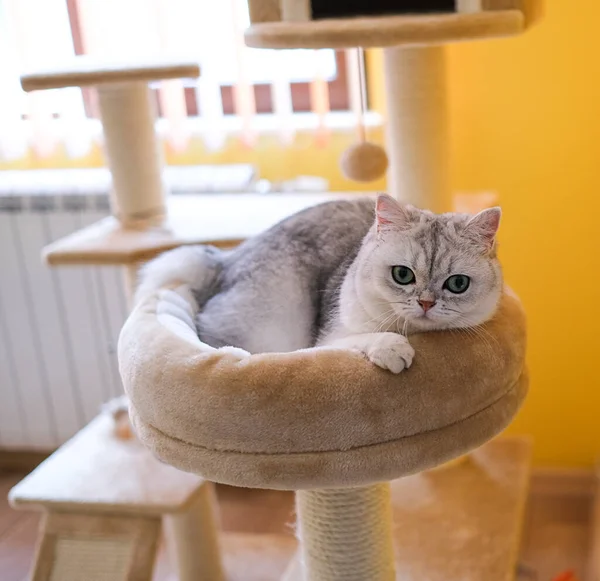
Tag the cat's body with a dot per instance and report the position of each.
(276, 291)
(338, 274)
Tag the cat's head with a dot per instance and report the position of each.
(434, 271)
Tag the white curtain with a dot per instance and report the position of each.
(35, 33)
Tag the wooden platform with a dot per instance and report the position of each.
(257, 542)
(105, 474)
(222, 219)
(462, 523)
(386, 31)
(85, 70)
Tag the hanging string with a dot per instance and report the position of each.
(362, 131)
(363, 161)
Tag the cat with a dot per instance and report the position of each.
(353, 274)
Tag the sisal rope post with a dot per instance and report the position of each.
(416, 132)
(346, 534)
(133, 151)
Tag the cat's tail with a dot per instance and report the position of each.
(197, 266)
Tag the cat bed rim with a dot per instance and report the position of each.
(227, 456)
(215, 464)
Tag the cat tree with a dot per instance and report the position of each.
(325, 423)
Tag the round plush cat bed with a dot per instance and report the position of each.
(315, 418)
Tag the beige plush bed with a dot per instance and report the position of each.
(315, 418)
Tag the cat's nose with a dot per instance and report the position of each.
(426, 305)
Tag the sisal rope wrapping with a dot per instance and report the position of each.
(416, 132)
(346, 534)
(133, 152)
(91, 559)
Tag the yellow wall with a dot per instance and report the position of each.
(526, 123)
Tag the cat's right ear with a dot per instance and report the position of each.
(391, 214)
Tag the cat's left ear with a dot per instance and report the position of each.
(483, 227)
(391, 214)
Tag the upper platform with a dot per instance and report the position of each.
(288, 24)
(84, 71)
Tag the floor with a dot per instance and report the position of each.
(556, 536)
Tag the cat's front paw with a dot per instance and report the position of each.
(391, 351)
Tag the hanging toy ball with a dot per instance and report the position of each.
(364, 162)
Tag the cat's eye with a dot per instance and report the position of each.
(457, 283)
(403, 275)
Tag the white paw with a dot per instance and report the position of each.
(390, 351)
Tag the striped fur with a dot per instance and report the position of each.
(323, 277)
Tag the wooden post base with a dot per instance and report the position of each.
(192, 539)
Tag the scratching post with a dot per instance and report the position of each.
(416, 126)
(127, 113)
(132, 151)
(341, 538)
(138, 201)
(346, 534)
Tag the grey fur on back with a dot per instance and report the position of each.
(276, 291)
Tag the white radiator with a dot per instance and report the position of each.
(58, 327)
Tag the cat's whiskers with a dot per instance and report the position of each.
(386, 315)
(477, 332)
(386, 321)
(484, 334)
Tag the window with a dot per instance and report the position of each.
(302, 65)
(237, 82)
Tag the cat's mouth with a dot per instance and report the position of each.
(425, 321)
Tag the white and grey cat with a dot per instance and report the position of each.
(353, 274)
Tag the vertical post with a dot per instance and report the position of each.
(133, 151)
(193, 541)
(346, 534)
(134, 157)
(416, 130)
(139, 197)
(131, 276)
